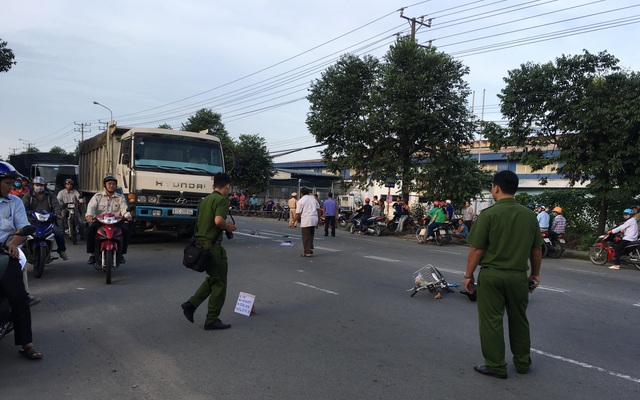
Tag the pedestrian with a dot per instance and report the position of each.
(14, 218)
(468, 215)
(329, 207)
(505, 237)
(210, 226)
(307, 213)
(292, 203)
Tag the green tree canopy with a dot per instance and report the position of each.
(207, 120)
(6, 57)
(255, 165)
(583, 107)
(402, 119)
(57, 150)
(165, 126)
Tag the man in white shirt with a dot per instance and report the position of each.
(307, 213)
(543, 218)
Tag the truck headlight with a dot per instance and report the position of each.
(153, 199)
(142, 199)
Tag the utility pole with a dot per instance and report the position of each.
(13, 149)
(82, 126)
(415, 23)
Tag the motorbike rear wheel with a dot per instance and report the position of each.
(544, 249)
(108, 264)
(40, 259)
(377, 231)
(437, 238)
(598, 255)
(352, 229)
(343, 223)
(556, 250)
(447, 239)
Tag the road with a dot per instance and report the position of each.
(339, 325)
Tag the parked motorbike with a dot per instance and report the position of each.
(6, 321)
(370, 226)
(603, 250)
(38, 248)
(109, 241)
(410, 226)
(553, 245)
(343, 221)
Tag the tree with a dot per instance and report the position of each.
(6, 57)
(57, 150)
(255, 164)
(404, 119)
(31, 149)
(580, 113)
(165, 126)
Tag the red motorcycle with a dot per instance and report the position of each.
(603, 250)
(109, 241)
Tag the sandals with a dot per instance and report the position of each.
(30, 353)
(305, 255)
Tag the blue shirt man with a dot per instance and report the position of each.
(329, 207)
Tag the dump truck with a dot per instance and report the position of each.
(163, 173)
(53, 167)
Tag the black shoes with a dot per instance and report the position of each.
(482, 369)
(188, 309)
(122, 260)
(215, 325)
(33, 300)
(92, 260)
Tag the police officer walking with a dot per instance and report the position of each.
(210, 226)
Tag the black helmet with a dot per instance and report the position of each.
(109, 178)
(7, 171)
(68, 180)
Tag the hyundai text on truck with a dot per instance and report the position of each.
(164, 173)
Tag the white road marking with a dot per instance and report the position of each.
(585, 365)
(448, 252)
(552, 289)
(382, 259)
(255, 236)
(637, 305)
(450, 270)
(317, 288)
(325, 249)
(581, 271)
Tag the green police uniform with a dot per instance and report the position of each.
(215, 284)
(506, 232)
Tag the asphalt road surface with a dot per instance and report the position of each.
(339, 325)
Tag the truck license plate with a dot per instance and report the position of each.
(183, 211)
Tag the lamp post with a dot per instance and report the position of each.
(110, 128)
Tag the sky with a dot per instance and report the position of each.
(160, 61)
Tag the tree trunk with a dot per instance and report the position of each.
(602, 216)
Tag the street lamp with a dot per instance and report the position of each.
(110, 127)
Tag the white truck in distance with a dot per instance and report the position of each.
(164, 173)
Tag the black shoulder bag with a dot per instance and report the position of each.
(198, 258)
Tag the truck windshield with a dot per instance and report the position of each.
(188, 154)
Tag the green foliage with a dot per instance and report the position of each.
(6, 57)
(418, 211)
(255, 166)
(57, 150)
(165, 126)
(206, 120)
(403, 119)
(31, 149)
(584, 107)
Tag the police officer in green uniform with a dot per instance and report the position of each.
(504, 237)
(210, 226)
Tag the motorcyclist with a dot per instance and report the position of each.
(107, 201)
(630, 229)
(366, 214)
(437, 216)
(20, 187)
(41, 198)
(543, 218)
(14, 218)
(559, 224)
(68, 195)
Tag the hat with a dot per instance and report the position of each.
(294, 194)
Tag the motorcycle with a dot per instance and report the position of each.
(443, 234)
(342, 220)
(553, 245)
(410, 225)
(284, 213)
(109, 241)
(71, 227)
(603, 250)
(371, 226)
(6, 320)
(38, 248)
